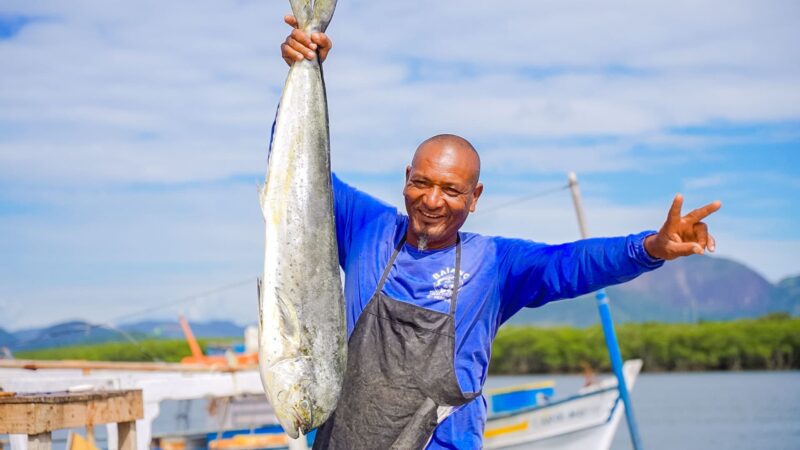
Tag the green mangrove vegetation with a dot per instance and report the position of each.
(768, 343)
(165, 350)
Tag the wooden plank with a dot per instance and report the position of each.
(40, 441)
(126, 432)
(59, 397)
(69, 411)
(113, 365)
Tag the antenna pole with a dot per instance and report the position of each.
(608, 324)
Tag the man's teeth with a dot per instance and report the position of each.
(432, 216)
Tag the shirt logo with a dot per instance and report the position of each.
(442, 288)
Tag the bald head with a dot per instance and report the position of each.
(441, 190)
(451, 150)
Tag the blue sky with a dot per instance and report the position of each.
(132, 134)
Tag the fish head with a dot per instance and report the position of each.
(288, 387)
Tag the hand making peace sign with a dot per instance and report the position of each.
(682, 236)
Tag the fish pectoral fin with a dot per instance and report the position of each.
(302, 11)
(323, 12)
(291, 326)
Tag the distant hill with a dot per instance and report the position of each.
(786, 295)
(698, 288)
(62, 334)
(80, 332)
(172, 329)
(686, 290)
(6, 339)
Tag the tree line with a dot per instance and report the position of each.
(769, 343)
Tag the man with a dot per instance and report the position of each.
(424, 300)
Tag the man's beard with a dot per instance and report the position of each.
(422, 241)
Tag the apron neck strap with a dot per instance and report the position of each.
(390, 263)
(456, 275)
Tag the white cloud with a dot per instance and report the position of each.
(202, 79)
(170, 97)
(709, 181)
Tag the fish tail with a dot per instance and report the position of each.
(323, 12)
(302, 11)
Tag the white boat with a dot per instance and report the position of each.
(585, 421)
(519, 417)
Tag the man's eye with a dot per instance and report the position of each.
(452, 192)
(419, 183)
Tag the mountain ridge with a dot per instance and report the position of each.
(693, 289)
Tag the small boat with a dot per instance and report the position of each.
(585, 421)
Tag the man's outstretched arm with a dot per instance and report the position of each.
(538, 273)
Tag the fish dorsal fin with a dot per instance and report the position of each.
(302, 10)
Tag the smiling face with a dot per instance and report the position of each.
(441, 189)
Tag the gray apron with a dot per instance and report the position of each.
(400, 370)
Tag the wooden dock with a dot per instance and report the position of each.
(37, 415)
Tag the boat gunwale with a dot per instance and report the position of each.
(555, 403)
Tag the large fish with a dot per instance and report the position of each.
(302, 332)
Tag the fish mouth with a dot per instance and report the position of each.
(304, 416)
(298, 420)
(290, 427)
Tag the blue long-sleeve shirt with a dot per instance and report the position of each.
(499, 276)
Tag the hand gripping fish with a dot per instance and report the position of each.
(302, 331)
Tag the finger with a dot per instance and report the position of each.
(301, 37)
(323, 54)
(685, 249)
(701, 213)
(289, 54)
(701, 234)
(712, 243)
(674, 215)
(321, 39)
(290, 20)
(300, 48)
(324, 44)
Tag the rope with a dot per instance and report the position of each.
(524, 198)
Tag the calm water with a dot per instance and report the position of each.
(686, 411)
(710, 410)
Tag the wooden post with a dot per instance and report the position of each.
(41, 441)
(90, 435)
(126, 435)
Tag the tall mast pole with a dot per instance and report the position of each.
(608, 324)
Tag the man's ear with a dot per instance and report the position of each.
(476, 193)
(408, 172)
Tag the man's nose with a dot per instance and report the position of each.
(433, 198)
